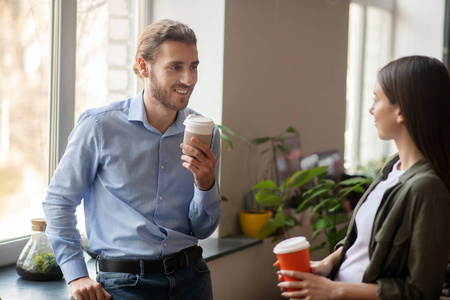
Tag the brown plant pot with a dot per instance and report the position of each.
(252, 220)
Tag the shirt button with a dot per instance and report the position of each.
(161, 197)
(165, 244)
(162, 167)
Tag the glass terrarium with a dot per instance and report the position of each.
(37, 260)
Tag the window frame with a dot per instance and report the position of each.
(353, 152)
(446, 50)
(383, 4)
(61, 102)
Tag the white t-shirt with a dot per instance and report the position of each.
(357, 256)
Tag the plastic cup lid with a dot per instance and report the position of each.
(195, 120)
(291, 245)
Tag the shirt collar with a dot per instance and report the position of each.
(137, 113)
(420, 166)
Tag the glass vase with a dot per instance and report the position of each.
(37, 261)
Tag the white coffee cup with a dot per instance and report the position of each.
(199, 127)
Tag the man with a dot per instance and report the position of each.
(145, 207)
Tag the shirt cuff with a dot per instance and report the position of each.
(208, 197)
(74, 269)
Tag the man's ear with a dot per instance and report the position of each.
(144, 67)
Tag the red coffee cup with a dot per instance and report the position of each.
(293, 254)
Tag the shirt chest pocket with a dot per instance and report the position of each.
(392, 247)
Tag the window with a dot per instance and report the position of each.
(370, 43)
(106, 44)
(58, 58)
(35, 93)
(24, 93)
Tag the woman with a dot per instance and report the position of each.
(398, 242)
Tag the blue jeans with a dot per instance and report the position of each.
(191, 282)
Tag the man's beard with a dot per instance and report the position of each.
(162, 96)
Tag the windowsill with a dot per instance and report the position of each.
(13, 287)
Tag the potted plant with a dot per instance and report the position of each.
(251, 221)
(254, 215)
(309, 189)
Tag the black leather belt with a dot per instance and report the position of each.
(166, 265)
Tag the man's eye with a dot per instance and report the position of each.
(194, 67)
(175, 67)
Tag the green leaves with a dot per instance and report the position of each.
(302, 177)
(279, 221)
(325, 197)
(267, 229)
(328, 224)
(224, 131)
(306, 189)
(43, 261)
(268, 184)
(262, 140)
(277, 141)
(270, 195)
(225, 138)
(292, 130)
(355, 184)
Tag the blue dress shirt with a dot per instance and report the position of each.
(139, 201)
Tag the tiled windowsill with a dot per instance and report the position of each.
(13, 287)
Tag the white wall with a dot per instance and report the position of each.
(285, 65)
(207, 19)
(419, 28)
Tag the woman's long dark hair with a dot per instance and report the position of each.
(420, 85)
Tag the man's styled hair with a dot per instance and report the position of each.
(420, 85)
(157, 33)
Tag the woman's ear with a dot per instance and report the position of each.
(399, 118)
(144, 67)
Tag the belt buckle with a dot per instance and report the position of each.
(166, 267)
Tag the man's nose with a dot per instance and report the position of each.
(188, 78)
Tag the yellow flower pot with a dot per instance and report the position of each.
(252, 220)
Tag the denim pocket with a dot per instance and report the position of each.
(200, 266)
(110, 280)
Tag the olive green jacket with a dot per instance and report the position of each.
(410, 242)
